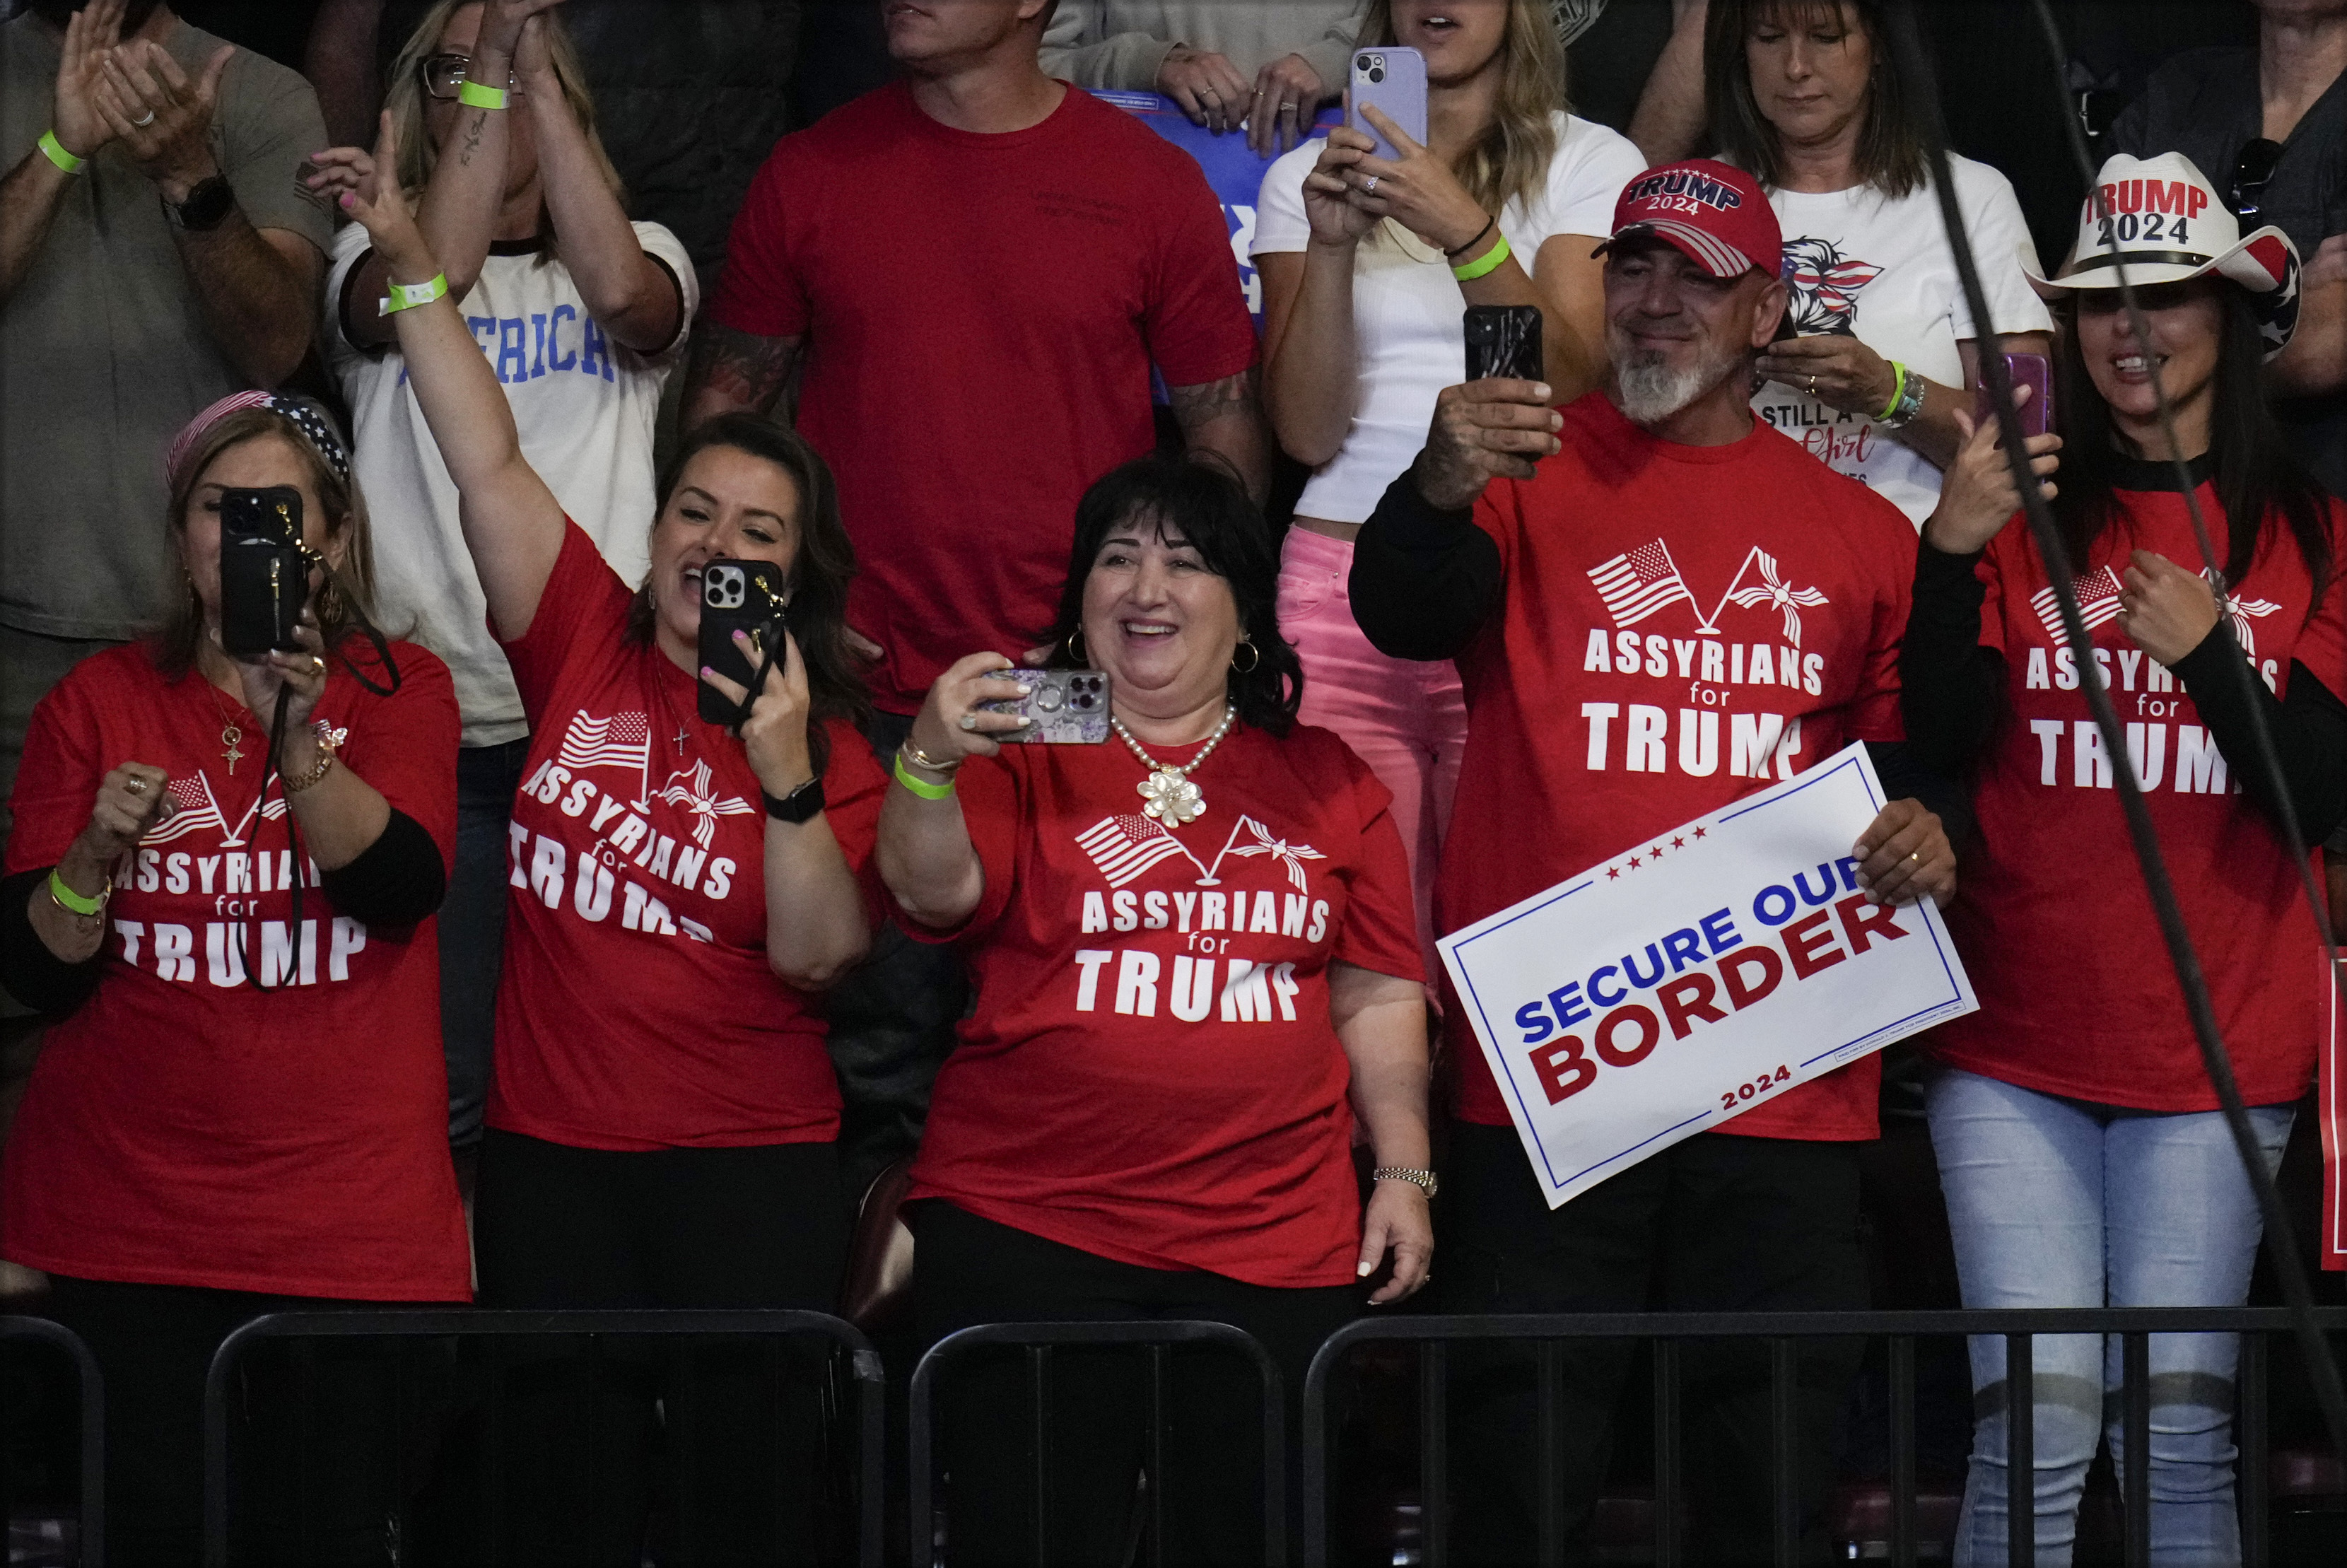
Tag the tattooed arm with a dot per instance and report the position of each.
(732, 370)
(1225, 417)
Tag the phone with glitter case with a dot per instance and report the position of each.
(1062, 707)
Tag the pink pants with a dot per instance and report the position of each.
(1407, 720)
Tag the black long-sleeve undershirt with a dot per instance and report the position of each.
(1424, 580)
(395, 881)
(1953, 691)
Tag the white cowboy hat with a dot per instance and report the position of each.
(2161, 219)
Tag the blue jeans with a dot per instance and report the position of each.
(2060, 1202)
(473, 929)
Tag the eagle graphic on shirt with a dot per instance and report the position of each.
(1824, 286)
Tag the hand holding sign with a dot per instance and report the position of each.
(1718, 965)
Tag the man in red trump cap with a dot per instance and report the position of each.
(1658, 605)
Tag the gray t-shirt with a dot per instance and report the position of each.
(2204, 104)
(104, 353)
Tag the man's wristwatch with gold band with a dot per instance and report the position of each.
(1425, 1181)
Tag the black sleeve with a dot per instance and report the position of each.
(397, 880)
(28, 970)
(1905, 776)
(1424, 580)
(1948, 683)
(2309, 730)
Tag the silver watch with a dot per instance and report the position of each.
(1425, 1181)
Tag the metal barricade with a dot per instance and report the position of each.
(861, 1362)
(91, 1540)
(1039, 1340)
(1783, 1331)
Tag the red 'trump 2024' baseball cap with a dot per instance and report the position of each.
(1718, 216)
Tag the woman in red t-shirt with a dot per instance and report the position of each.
(194, 1148)
(662, 1121)
(2084, 1156)
(1192, 944)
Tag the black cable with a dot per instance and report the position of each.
(1922, 91)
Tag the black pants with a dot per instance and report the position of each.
(1715, 1223)
(319, 1440)
(708, 1454)
(973, 1271)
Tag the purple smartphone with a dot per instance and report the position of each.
(2030, 370)
(1394, 79)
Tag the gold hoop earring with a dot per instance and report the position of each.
(1076, 652)
(1252, 664)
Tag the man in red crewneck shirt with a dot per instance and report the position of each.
(1658, 605)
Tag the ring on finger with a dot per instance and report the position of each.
(143, 123)
(970, 720)
(135, 786)
(1369, 186)
(317, 665)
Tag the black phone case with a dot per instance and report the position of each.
(1505, 341)
(757, 607)
(264, 582)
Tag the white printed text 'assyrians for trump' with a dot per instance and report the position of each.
(1210, 917)
(1722, 675)
(625, 840)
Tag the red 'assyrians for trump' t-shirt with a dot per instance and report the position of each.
(1150, 1073)
(637, 1008)
(979, 315)
(2076, 994)
(182, 1127)
(1682, 626)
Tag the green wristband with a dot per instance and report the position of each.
(71, 899)
(478, 96)
(922, 787)
(407, 296)
(1489, 261)
(59, 156)
(1898, 390)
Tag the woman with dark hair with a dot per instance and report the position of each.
(193, 1148)
(1880, 353)
(1368, 267)
(1191, 943)
(2080, 1146)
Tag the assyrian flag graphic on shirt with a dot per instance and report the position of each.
(2099, 601)
(1636, 584)
(1125, 846)
(698, 794)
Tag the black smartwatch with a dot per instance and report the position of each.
(206, 208)
(800, 805)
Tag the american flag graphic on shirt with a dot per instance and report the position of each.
(1125, 846)
(193, 810)
(621, 740)
(1636, 584)
(2099, 601)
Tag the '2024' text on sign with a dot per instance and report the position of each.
(1704, 971)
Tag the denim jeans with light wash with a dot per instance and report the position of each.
(2061, 1202)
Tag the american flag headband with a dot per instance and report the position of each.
(312, 424)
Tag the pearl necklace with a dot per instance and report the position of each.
(1171, 799)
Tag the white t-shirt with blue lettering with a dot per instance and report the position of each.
(585, 407)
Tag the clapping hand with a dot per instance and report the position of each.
(163, 120)
(91, 34)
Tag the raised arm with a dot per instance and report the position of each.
(31, 192)
(512, 523)
(630, 296)
(1669, 119)
(1311, 357)
(924, 852)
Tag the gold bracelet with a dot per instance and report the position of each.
(922, 760)
(329, 741)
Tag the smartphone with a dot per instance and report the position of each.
(1505, 340)
(1394, 79)
(2037, 416)
(738, 596)
(264, 582)
(1062, 708)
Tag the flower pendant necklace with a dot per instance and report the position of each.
(1171, 799)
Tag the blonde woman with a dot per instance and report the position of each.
(1368, 266)
(582, 315)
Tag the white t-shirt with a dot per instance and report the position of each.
(1408, 312)
(585, 407)
(1857, 262)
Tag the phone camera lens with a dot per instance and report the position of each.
(1377, 76)
(1086, 700)
(1363, 62)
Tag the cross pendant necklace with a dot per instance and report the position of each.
(680, 741)
(230, 733)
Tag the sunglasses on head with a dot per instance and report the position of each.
(444, 75)
(2253, 172)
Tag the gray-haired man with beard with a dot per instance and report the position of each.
(1658, 605)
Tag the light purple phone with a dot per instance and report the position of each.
(1394, 79)
(2030, 370)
